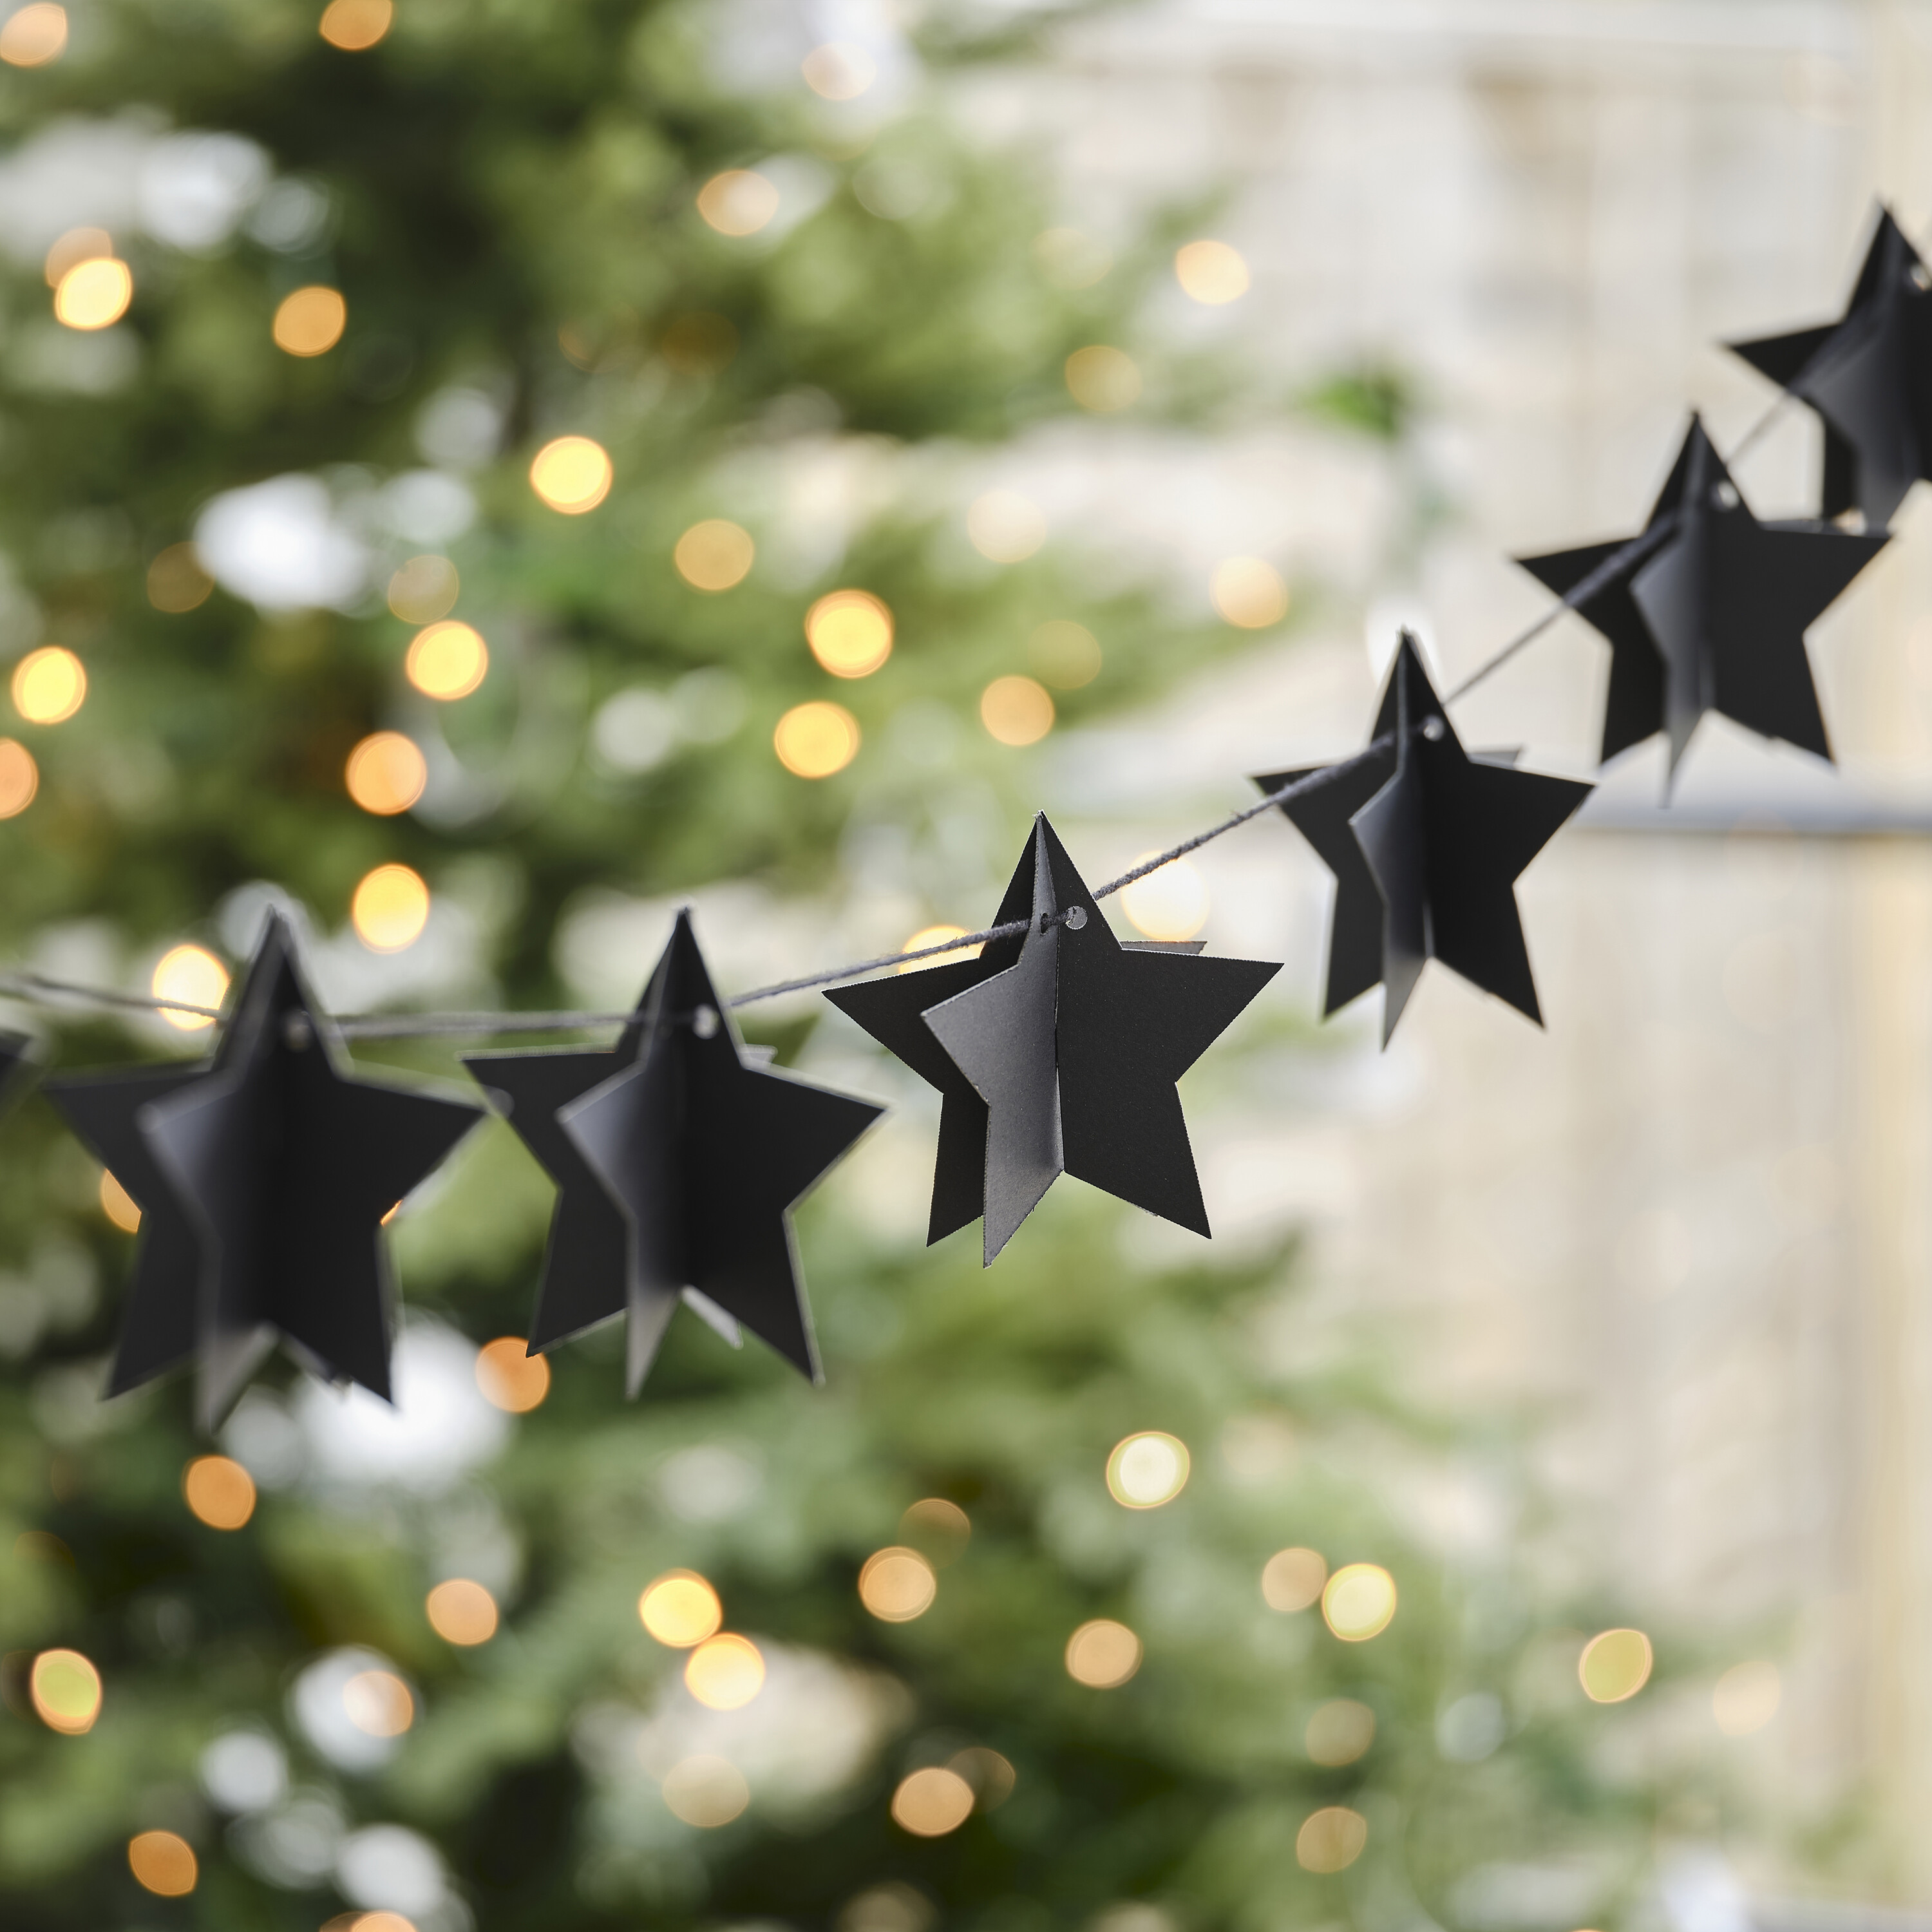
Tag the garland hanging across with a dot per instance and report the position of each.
(265, 1174)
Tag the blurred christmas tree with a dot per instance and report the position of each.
(520, 320)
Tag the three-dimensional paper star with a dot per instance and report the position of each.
(1869, 377)
(1426, 844)
(262, 1177)
(892, 1010)
(1075, 1048)
(1712, 615)
(678, 1158)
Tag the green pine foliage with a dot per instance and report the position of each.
(504, 193)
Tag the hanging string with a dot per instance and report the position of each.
(426, 1026)
(1625, 558)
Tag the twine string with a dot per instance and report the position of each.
(1626, 558)
(426, 1026)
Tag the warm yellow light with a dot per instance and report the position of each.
(850, 633)
(571, 474)
(739, 202)
(118, 1205)
(94, 295)
(386, 773)
(34, 35)
(714, 555)
(1065, 654)
(932, 1802)
(1359, 1602)
(377, 1921)
(706, 1791)
(1103, 1653)
(1102, 380)
(934, 935)
(725, 1672)
(1746, 1698)
(162, 1863)
(353, 25)
(1148, 1469)
(1171, 903)
(50, 686)
(1340, 1732)
(176, 581)
(378, 1703)
(193, 976)
(680, 1609)
(19, 778)
(1330, 1840)
(1248, 591)
(1004, 526)
(447, 661)
(938, 1529)
(220, 1492)
(511, 1377)
(814, 740)
(1292, 1579)
(424, 589)
(1615, 1666)
(461, 1611)
(1211, 272)
(76, 246)
(897, 1586)
(66, 1691)
(1016, 710)
(311, 321)
(839, 70)
(390, 909)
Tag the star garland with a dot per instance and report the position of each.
(265, 1174)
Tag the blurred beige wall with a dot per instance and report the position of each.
(1694, 1219)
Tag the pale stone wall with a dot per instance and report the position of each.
(1694, 1218)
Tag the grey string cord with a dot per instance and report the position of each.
(426, 1026)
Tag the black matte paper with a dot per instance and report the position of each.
(1714, 618)
(1869, 377)
(1073, 1048)
(1426, 842)
(696, 1149)
(262, 1176)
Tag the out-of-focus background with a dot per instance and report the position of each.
(1146, 368)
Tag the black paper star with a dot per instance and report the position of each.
(1712, 617)
(1426, 843)
(892, 1011)
(262, 1177)
(1869, 377)
(697, 1152)
(1074, 1049)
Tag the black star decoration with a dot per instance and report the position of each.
(1869, 377)
(1426, 844)
(678, 1158)
(1073, 1048)
(262, 1177)
(1710, 614)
